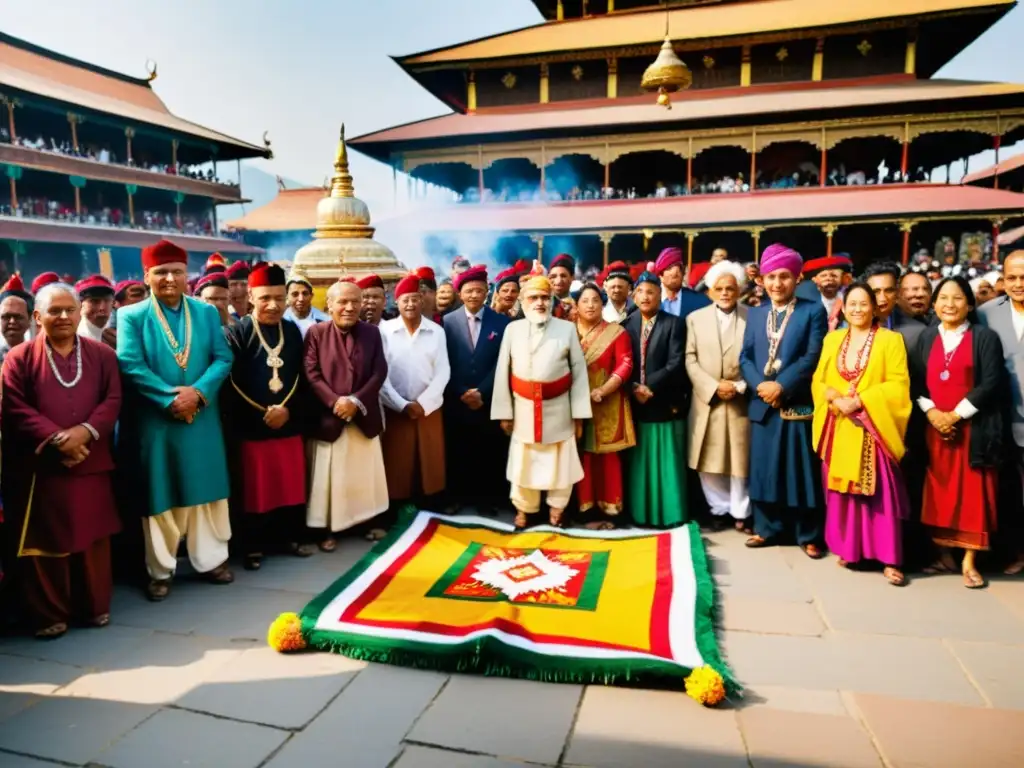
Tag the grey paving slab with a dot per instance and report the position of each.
(263, 686)
(507, 718)
(7, 760)
(773, 617)
(86, 648)
(997, 669)
(628, 728)
(12, 703)
(28, 676)
(791, 699)
(930, 606)
(291, 574)
(70, 730)
(762, 574)
(173, 738)
(427, 757)
(910, 667)
(370, 718)
(159, 671)
(919, 734)
(775, 738)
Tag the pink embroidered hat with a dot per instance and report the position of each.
(778, 256)
(667, 259)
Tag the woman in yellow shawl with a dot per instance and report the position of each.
(861, 392)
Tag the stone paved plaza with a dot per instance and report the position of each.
(840, 669)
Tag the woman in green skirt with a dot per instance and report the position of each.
(656, 482)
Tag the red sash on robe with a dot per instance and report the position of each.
(538, 392)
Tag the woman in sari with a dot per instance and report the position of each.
(958, 383)
(609, 357)
(861, 391)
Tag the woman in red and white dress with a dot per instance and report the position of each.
(958, 383)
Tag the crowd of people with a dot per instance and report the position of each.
(102, 153)
(49, 209)
(807, 175)
(878, 418)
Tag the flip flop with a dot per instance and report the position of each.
(52, 632)
(756, 542)
(813, 551)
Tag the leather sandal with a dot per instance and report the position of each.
(813, 551)
(328, 545)
(252, 562)
(158, 590)
(220, 575)
(756, 542)
(973, 579)
(52, 632)
(100, 621)
(301, 550)
(894, 576)
(521, 521)
(555, 517)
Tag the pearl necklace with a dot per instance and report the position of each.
(78, 365)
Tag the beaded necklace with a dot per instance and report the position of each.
(78, 365)
(860, 365)
(181, 355)
(775, 335)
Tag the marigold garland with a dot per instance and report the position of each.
(285, 634)
(706, 686)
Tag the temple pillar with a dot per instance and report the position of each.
(691, 235)
(905, 228)
(14, 191)
(996, 143)
(997, 225)
(829, 230)
(755, 235)
(910, 62)
(480, 171)
(539, 240)
(543, 172)
(745, 66)
(471, 92)
(611, 6)
(73, 122)
(905, 158)
(753, 159)
(818, 67)
(606, 242)
(613, 78)
(10, 120)
(607, 168)
(128, 134)
(560, 11)
(689, 167)
(544, 84)
(174, 154)
(824, 159)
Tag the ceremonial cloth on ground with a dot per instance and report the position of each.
(471, 594)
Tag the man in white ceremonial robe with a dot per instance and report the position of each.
(719, 439)
(541, 397)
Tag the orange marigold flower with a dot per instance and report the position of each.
(706, 686)
(285, 634)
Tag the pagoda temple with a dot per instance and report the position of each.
(94, 167)
(819, 124)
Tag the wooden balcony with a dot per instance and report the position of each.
(94, 170)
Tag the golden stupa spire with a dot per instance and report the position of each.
(341, 182)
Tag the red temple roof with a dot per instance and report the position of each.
(1006, 166)
(41, 231)
(699, 22)
(762, 208)
(691, 107)
(35, 70)
(292, 209)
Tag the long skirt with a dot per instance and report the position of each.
(859, 527)
(656, 489)
(413, 455)
(601, 485)
(347, 481)
(960, 501)
(274, 474)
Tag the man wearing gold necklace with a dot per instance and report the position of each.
(263, 403)
(174, 359)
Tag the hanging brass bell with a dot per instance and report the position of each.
(667, 74)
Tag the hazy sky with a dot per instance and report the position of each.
(298, 69)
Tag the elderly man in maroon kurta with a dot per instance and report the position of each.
(61, 398)
(346, 368)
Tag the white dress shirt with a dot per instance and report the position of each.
(726, 331)
(950, 341)
(418, 368)
(611, 315)
(89, 331)
(305, 323)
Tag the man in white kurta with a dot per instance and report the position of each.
(418, 372)
(541, 396)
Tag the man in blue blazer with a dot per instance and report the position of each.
(781, 348)
(477, 449)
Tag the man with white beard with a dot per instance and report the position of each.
(541, 397)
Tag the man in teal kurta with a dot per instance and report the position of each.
(174, 358)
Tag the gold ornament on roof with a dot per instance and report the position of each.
(864, 47)
(782, 54)
(666, 75)
(509, 80)
(577, 73)
(709, 62)
(343, 243)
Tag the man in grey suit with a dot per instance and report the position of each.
(1005, 316)
(914, 309)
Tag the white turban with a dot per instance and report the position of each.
(723, 268)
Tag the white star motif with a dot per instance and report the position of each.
(517, 576)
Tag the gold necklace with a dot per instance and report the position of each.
(274, 361)
(180, 355)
